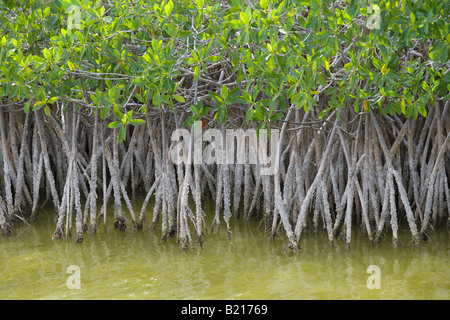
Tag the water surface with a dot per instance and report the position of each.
(138, 265)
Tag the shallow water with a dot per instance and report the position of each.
(138, 265)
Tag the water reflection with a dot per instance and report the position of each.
(137, 265)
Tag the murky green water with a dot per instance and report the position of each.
(137, 265)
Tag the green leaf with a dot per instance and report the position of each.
(244, 18)
(224, 92)
(168, 7)
(204, 111)
(215, 97)
(115, 124)
(106, 111)
(352, 9)
(52, 100)
(248, 12)
(422, 111)
(271, 63)
(189, 121)
(335, 45)
(122, 133)
(47, 111)
(221, 115)
(118, 114)
(129, 115)
(324, 112)
(38, 105)
(196, 73)
(71, 65)
(315, 4)
(403, 106)
(234, 92)
(26, 107)
(157, 99)
(179, 98)
(276, 117)
(247, 97)
(195, 56)
(412, 17)
(249, 115)
(140, 98)
(257, 115)
(137, 122)
(263, 4)
(94, 98)
(194, 109)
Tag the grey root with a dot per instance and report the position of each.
(378, 172)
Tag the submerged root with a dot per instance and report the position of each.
(5, 226)
(140, 223)
(79, 237)
(120, 223)
(58, 233)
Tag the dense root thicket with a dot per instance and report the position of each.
(377, 172)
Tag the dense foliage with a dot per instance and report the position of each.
(207, 58)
